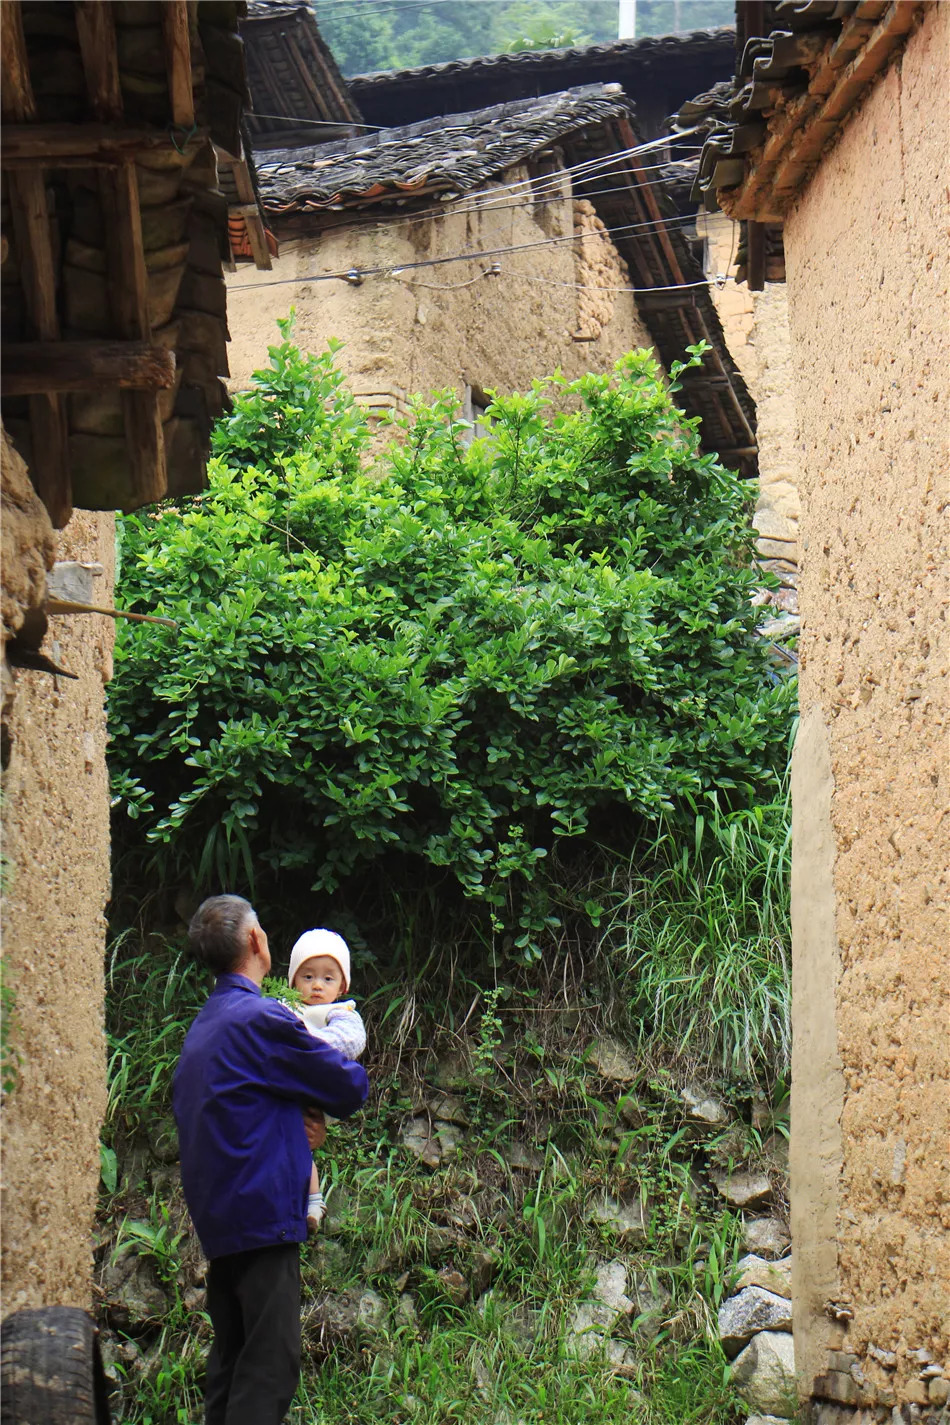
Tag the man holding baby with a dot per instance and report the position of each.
(249, 1095)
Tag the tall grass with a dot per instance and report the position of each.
(700, 931)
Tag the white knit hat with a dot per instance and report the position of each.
(320, 942)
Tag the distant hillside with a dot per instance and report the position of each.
(398, 34)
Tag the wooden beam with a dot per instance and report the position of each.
(95, 27)
(258, 241)
(755, 256)
(46, 366)
(29, 210)
(128, 277)
(83, 145)
(49, 461)
(16, 93)
(178, 62)
(128, 288)
(49, 432)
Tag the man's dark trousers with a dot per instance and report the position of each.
(254, 1364)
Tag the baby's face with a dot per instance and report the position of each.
(319, 980)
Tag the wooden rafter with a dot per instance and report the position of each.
(30, 368)
(95, 27)
(16, 95)
(178, 61)
(82, 145)
(128, 288)
(49, 433)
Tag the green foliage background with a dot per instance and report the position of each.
(366, 35)
(432, 669)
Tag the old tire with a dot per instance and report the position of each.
(51, 1369)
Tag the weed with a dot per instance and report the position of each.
(10, 1057)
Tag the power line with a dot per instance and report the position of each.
(445, 211)
(537, 186)
(356, 274)
(313, 123)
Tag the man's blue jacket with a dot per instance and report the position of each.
(247, 1069)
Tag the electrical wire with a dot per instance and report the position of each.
(314, 123)
(446, 211)
(355, 275)
(538, 186)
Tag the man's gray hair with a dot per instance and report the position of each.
(218, 931)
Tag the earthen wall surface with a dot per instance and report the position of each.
(56, 883)
(755, 325)
(423, 329)
(869, 291)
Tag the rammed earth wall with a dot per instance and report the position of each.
(868, 274)
(419, 330)
(56, 883)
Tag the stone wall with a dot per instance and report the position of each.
(755, 325)
(56, 883)
(424, 329)
(869, 305)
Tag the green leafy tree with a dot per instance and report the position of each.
(439, 668)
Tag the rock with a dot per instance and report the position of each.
(784, 626)
(626, 1219)
(406, 1312)
(775, 549)
(773, 1276)
(743, 1189)
(938, 1391)
(449, 1109)
(163, 1140)
(611, 1287)
(650, 1303)
(448, 1138)
(131, 1290)
(454, 1071)
(773, 526)
(887, 1359)
(194, 1299)
(765, 1236)
(483, 1267)
(589, 1328)
(753, 1310)
(767, 1420)
(416, 1138)
(523, 1324)
(704, 1107)
(349, 1313)
(622, 1358)
(611, 1061)
(525, 1158)
(454, 1285)
(764, 1373)
(631, 1111)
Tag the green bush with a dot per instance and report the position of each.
(432, 668)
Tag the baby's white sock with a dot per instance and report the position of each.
(316, 1207)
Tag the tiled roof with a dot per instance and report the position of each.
(795, 84)
(452, 155)
(657, 71)
(648, 48)
(292, 75)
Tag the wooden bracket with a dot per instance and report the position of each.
(45, 366)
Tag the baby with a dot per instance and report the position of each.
(320, 972)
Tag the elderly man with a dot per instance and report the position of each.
(248, 1073)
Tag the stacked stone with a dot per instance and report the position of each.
(755, 1329)
(846, 1394)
